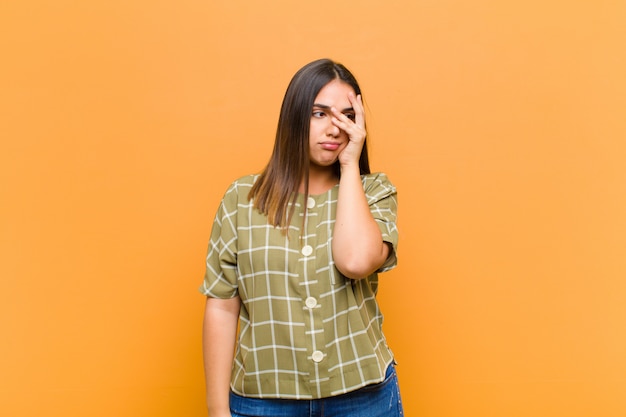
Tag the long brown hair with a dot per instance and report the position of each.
(288, 166)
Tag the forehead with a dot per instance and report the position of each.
(335, 93)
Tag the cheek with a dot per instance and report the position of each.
(314, 130)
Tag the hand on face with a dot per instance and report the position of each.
(354, 129)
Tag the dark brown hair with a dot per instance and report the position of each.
(288, 166)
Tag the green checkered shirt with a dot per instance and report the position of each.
(306, 331)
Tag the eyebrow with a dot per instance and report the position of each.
(325, 107)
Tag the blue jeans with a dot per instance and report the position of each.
(378, 400)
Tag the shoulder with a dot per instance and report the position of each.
(377, 184)
(244, 182)
(238, 190)
(241, 185)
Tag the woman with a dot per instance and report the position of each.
(294, 255)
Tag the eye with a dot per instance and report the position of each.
(318, 114)
(351, 116)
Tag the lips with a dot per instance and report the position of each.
(330, 146)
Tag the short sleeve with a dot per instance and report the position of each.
(381, 196)
(220, 278)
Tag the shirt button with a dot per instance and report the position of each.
(307, 250)
(317, 356)
(310, 203)
(310, 302)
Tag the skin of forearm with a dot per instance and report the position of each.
(358, 248)
(219, 334)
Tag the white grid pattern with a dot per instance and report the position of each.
(274, 276)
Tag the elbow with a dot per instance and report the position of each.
(361, 265)
(355, 273)
(357, 268)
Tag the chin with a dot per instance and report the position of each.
(324, 164)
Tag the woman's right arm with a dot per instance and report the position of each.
(218, 339)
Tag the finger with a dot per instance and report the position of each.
(359, 110)
(354, 132)
(346, 124)
(341, 119)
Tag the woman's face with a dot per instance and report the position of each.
(326, 141)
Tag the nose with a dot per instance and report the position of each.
(332, 130)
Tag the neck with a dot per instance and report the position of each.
(321, 179)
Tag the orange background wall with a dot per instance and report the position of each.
(501, 122)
